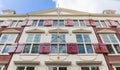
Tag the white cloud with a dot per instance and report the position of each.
(93, 6)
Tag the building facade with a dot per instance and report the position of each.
(68, 40)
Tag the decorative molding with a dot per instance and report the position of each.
(26, 62)
(35, 31)
(58, 30)
(81, 31)
(3, 62)
(88, 62)
(10, 31)
(58, 62)
(106, 31)
(115, 62)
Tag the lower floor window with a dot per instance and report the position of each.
(25, 68)
(57, 68)
(90, 68)
(117, 68)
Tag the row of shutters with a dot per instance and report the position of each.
(68, 22)
(71, 48)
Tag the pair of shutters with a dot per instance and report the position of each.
(44, 48)
(100, 48)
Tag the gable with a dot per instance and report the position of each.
(63, 11)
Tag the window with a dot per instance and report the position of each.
(31, 48)
(57, 68)
(75, 22)
(97, 23)
(1, 67)
(16, 24)
(90, 68)
(25, 68)
(34, 23)
(82, 23)
(118, 24)
(1, 22)
(40, 23)
(55, 22)
(35, 38)
(60, 38)
(100, 23)
(103, 24)
(61, 22)
(5, 48)
(8, 38)
(111, 43)
(84, 43)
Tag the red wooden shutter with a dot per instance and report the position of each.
(44, 48)
(20, 48)
(72, 48)
(87, 22)
(108, 23)
(29, 23)
(96, 48)
(69, 22)
(24, 23)
(48, 22)
(7, 23)
(113, 24)
(13, 48)
(103, 48)
(92, 22)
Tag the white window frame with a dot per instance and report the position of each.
(58, 67)
(26, 66)
(111, 43)
(2, 66)
(38, 23)
(90, 66)
(85, 43)
(100, 23)
(80, 24)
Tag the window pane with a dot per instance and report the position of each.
(34, 49)
(79, 38)
(52, 68)
(105, 38)
(54, 48)
(62, 68)
(81, 49)
(30, 37)
(4, 38)
(20, 68)
(94, 68)
(85, 68)
(6, 49)
(117, 48)
(97, 24)
(30, 68)
(61, 23)
(75, 22)
(62, 38)
(62, 48)
(19, 24)
(54, 38)
(86, 38)
(55, 23)
(117, 68)
(27, 49)
(118, 24)
(13, 24)
(110, 49)
(89, 48)
(37, 38)
(11, 38)
(82, 23)
(103, 24)
(34, 23)
(40, 23)
(112, 38)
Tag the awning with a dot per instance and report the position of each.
(58, 62)
(88, 62)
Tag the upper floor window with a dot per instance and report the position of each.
(16, 24)
(35, 38)
(34, 23)
(1, 67)
(82, 23)
(61, 23)
(59, 38)
(40, 23)
(118, 24)
(8, 38)
(75, 22)
(100, 23)
(55, 22)
(90, 68)
(103, 24)
(1, 22)
(25, 68)
(57, 68)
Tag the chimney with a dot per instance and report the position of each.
(8, 12)
(109, 11)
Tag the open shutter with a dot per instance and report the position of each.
(87, 22)
(48, 22)
(92, 22)
(44, 48)
(69, 22)
(24, 23)
(13, 48)
(108, 23)
(6, 23)
(72, 48)
(96, 48)
(113, 24)
(103, 48)
(29, 23)
(20, 48)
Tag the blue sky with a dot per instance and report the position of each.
(92, 6)
(25, 6)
